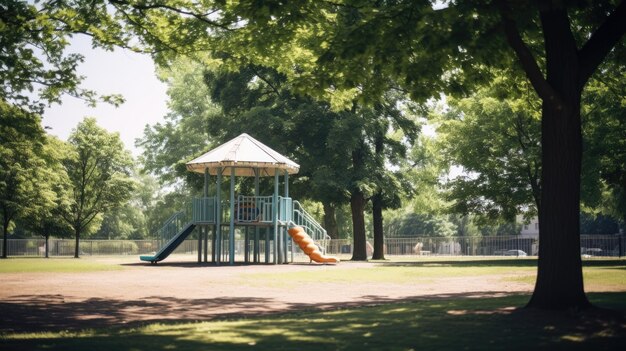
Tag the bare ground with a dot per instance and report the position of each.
(186, 291)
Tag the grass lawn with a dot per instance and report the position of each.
(456, 324)
(398, 272)
(53, 265)
(472, 323)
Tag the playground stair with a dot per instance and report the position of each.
(173, 232)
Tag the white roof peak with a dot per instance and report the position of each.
(245, 154)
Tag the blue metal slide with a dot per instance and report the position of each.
(171, 245)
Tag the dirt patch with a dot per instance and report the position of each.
(186, 291)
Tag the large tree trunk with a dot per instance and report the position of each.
(46, 245)
(559, 276)
(6, 217)
(330, 220)
(462, 231)
(77, 248)
(5, 229)
(379, 237)
(357, 205)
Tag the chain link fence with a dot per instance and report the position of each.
(591, 246)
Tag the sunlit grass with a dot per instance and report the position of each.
(606, 275)
(53, 265)
(392, 272)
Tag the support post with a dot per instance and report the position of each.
(267, 244)
(206, 182)
(286, 183)
(288, 215)
(213, 243)
(206, 243)
(275, 215)
(200, 244)
(246, 248)
(204, 213)
(231, 235)
(256, 228)
(218, 217)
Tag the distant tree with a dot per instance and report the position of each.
(185, 132)
(124, 222)
(604, 131)
(414, 224)
(138, 218)
(54, 194)
(148, 193)
(597, 224)
(465, 225)
(500, 228)
(426, 169)
(494, 135)
(392, 187)
(21, 146)
(99, 170)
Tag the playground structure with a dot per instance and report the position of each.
(263, 220)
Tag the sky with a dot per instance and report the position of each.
(120, 72)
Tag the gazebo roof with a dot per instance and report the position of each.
(245, 154)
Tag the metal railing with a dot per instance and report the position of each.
(302, 218)
(250, 209)
(172, 226)
(285, 209)
(204, 210)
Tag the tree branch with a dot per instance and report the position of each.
(203, 17)
(266, 80)
(525, 57)
(602, 42)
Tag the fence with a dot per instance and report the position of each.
(591, 245)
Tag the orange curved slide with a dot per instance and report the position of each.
(308, 246)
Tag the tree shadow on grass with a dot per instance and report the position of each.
(37, 313)
(450, 322)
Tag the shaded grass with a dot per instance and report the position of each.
(436, 324)
(53, 265)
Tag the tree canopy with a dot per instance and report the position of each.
(99, 170)
(494, 135)
(21, 146)
(35, 67)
